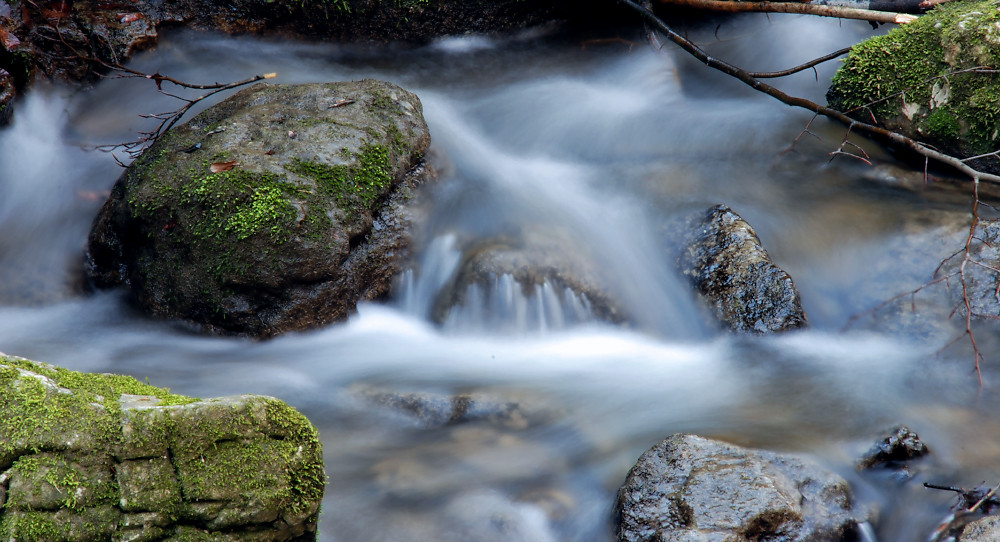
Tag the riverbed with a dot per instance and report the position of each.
(550, 132)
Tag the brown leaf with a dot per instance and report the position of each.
(219, 167)
(128, 18)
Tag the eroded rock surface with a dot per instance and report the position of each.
(746, 291)
(86, 457)
(277, 209)
(689, 488)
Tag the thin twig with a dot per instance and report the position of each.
(801, 67)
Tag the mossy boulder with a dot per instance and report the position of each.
(87, 457)
(277, 209)
(932, 79)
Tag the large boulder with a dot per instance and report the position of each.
(931, 79)
(277, 209)
(692, 489)
(726, 262)
(87, 457)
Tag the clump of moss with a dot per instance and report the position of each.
(922, 78)
(64, 432)
(353, 188)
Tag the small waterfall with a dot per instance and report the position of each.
(504, 307)
(501, 306)
(416, 294)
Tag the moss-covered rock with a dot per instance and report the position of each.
(86, 457)
(277, 209)
(931, 80)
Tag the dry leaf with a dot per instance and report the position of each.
(342, 103)
(219, 167)
(128, 18)
(271, 75)
(8, 40)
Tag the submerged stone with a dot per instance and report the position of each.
(900, 446)
(689, 488)
(87, 457)
(746, 291)
(277, 209)
(931, 80)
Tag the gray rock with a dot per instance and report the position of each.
(689, 488)
(900, 445)
(311, 218)
(724, 259)
(88, 457)
(983, 530)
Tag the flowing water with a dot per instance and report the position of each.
(600, 144)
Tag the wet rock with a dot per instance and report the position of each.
(724, 259)
(277, 209)
(900, 446)
(7, 94)
(983, 530)
(543, 277)
(692, 488)
(920, 80)
(99, 457)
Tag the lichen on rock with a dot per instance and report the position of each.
(97, 456)
(931, 79)
(259, 215)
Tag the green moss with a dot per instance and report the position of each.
(239, 204)
(353, 189)
(250, 453)
(885, 70)
(923, 74)
(307, 483)
(941, 124)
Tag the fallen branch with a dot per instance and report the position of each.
(839, 12)
(168, 119)
(970, 501)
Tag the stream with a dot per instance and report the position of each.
(544, 133)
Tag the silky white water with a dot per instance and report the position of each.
(536, 137)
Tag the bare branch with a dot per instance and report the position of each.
(793, 7)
